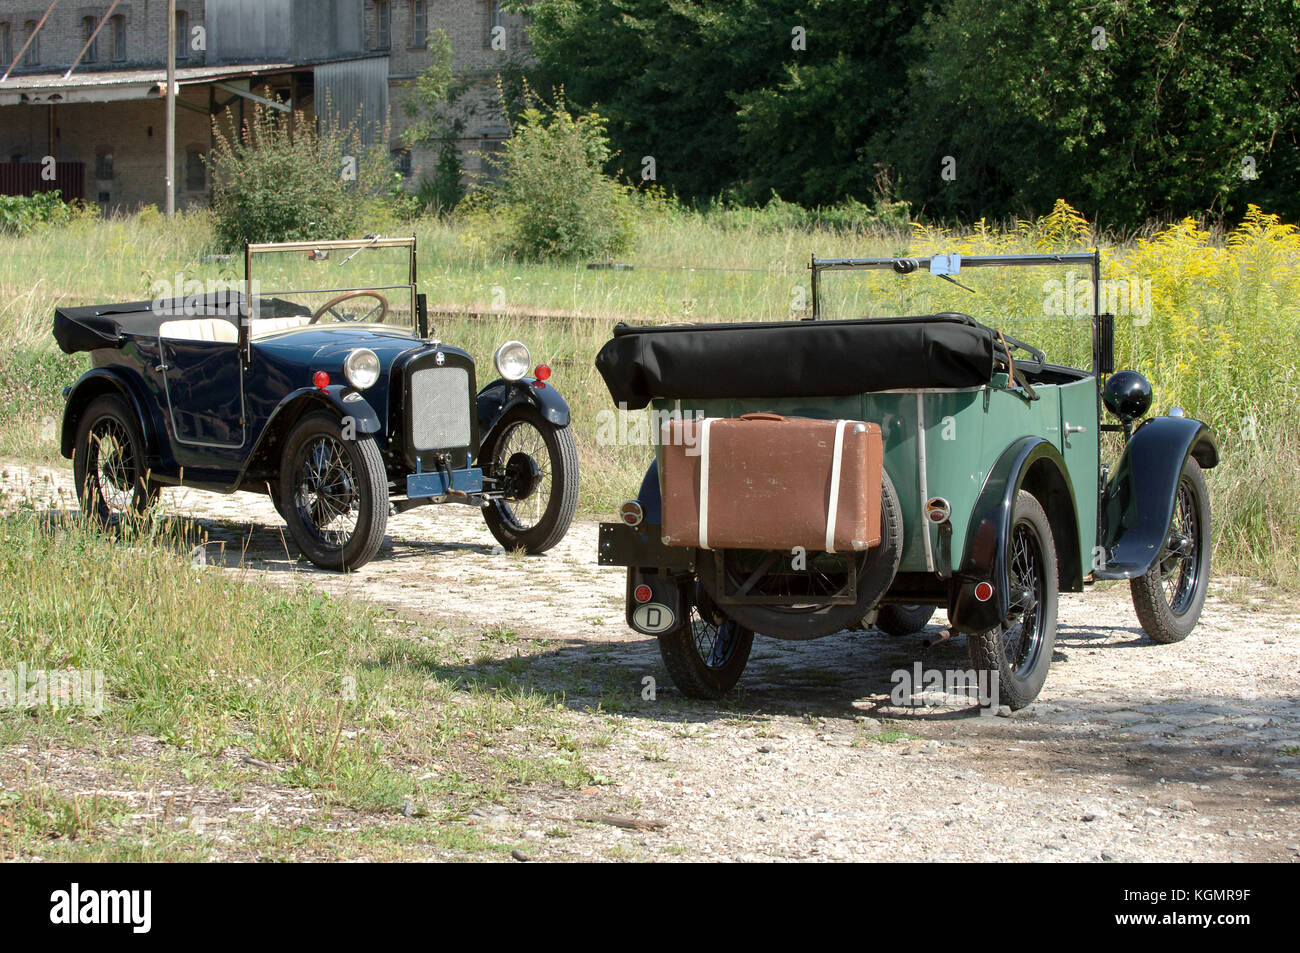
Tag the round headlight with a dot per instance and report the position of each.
(361, 368)
(512, 360)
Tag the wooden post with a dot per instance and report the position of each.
(171, 108)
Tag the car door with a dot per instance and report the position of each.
(204, 379)
(1080, 448)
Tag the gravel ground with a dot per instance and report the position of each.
(1133, 752)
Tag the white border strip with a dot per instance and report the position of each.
(925, 490)
(837, 460)
(705, 425)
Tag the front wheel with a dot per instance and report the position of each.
(707, 653)
(535, 464)
(1168, 599)
(333, 493)
(1019, 652)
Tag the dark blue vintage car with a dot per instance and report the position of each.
(319, 383)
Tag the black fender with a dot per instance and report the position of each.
(348, 403)
(93, 383)
(498, 397)
(650, 497)
(1139, 499)
(1029, 463)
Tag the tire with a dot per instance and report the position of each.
(323, 474)
(876, 569)
(1170, 596)
(708, 652)
(541, 495)
(903, 620)
(1021, 654)
(108, 463)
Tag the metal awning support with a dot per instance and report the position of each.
(91, 39)
(271, 103)
(53, 4)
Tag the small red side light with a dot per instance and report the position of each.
(321, 379)
(984, 592)
(642, 593)
(543, 373)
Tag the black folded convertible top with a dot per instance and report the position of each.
(107, 325)
(796, 358)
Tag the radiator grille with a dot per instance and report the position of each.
(440, 408)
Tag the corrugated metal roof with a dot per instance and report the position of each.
(45, 88)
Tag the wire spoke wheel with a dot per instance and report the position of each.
(109, 466)
(707, 652)
(333, 493)
(1169, 597)
(326, 493)
(1022, 638)
(1018, 651)
(533, 466)
(521, 456)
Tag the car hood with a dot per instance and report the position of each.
(330, 345)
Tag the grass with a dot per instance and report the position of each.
(262, 686)
(1220, 340)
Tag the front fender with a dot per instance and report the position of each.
(96, 381)
(500, 396)
(1139, 499)
(989, 536)
(347, 403)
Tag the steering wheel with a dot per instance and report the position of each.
(330, 305)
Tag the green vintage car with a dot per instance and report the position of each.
(996, 495)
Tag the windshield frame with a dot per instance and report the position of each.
(1102, 332)
(343, 245)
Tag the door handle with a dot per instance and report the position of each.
(162, 367)
(1071, 428)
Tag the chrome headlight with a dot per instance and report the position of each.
(512, 360)
(361, 368)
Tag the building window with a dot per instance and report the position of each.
(119, 38)
(419, 24)
(196, 171)
(491, 146)
(401, 157)
(33, 55)
(182, 35)
(88, 25)
(496, 24)
(383, 25)
(104, 165)
(6, 44)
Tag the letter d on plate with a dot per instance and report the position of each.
(653, 618)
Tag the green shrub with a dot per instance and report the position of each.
(282, 179)
(553, 198)
(20, 214)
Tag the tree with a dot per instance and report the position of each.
(1130, 109)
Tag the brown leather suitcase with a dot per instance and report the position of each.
(763, 481)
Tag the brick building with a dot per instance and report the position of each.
(94, 127)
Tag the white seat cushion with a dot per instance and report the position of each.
(260, 326)
(200, 329)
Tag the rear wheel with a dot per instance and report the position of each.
(1019, 651)
(903, 620)
(1169, 598)
(108, 463)
(708, 652)
(535, 464)
(333, 493)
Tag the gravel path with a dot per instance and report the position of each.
(1134, 751)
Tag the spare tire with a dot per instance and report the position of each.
(875, 569)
